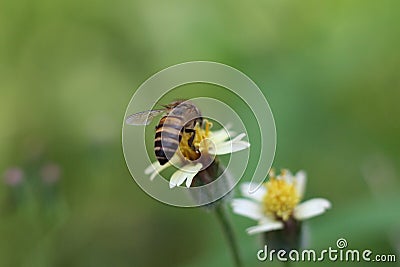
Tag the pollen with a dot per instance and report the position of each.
(199, 143)
(281, 198)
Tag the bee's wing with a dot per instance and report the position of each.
(144, 117)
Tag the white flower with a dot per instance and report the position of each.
(211, 143)
(278, 201)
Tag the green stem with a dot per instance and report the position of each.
(228, 231)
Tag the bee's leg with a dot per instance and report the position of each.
(191, 139)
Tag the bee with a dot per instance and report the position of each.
(180, 116)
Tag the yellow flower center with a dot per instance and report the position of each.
(281, 198)
(199, 141)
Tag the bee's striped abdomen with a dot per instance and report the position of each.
(168, 137)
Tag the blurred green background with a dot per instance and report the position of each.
(329, 69)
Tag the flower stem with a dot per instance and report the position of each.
(222, 217)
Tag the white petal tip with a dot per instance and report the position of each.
(240, 136)
(266, 227)
(311, 208)
(149, 170)
(153, 175)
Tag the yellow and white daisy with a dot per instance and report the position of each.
(187, 160)
(277, 201)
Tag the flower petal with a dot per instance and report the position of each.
(247, 208)
(311, 208)
(187, 172)
(300, 182)
(152, 167)
(221, 135)
(195, 170)
(257, 195)
(177, 178)
(265, 227)
(229, 147)
(239, 137)
(155, 168)
(239, 145)
(286, 176)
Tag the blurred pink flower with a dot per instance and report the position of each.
(13, 176)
